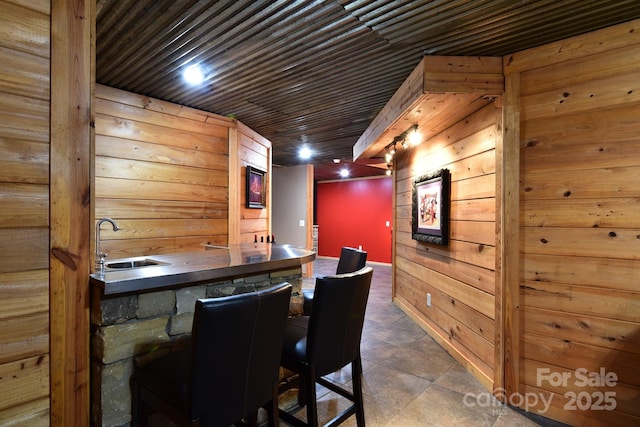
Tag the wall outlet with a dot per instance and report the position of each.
(428, 300)
(301, 223)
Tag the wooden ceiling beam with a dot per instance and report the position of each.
(434, 80)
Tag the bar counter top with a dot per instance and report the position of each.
(210, 264)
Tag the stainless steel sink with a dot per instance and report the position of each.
(136, 263)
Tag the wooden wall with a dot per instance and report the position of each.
(24, 212)
(162, 172)
(580, 223)
(253, 150)
(460, 277)
(173, 177)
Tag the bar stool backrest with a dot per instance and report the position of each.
(337, 318)
(236, 343)
(351, 259)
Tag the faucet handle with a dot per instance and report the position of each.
(101, 259)
(100, 263)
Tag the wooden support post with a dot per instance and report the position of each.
(71, 117)
(509, 258)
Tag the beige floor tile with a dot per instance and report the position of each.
(409, 380)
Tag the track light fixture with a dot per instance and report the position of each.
(407, 138)
(388, 157)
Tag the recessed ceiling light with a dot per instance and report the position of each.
(305, 152)
(336, 160)
(344, 172)
(194, 74)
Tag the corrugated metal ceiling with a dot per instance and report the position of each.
(316, 72)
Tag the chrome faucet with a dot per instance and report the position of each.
(100, 256)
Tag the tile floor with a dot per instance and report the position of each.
(409, 380)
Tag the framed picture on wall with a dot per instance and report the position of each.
(256, 188)
(430, 208)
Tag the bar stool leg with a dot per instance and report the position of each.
(356, 381)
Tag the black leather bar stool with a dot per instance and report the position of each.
(351, 259)
(328, 340)
(229, 370)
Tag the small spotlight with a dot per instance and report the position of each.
(414, 137)
(305, 152)
(194, 74)
(344, 172)
(336, 161)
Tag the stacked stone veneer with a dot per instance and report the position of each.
(137, 327)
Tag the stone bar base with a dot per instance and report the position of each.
(137, 328)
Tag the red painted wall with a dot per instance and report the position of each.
(354, 213)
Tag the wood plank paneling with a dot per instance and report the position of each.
(25, 116)
(160, 209)
(42, 6)
(590, 242)
(24, 29)
(166, 174)
(608, 92)
(24, 212)
(440, 91)
(162, 172)
(461, 276)
(402, 100)
(478, 209)
(164, 228)
(122, 127)
(33, 414)
(125, 169)
(601, 212)
(151, 104)
(168, 245)
(469, 360)
(23, 293)
(581, 184)
(458, 291)
(602, 272)
(24, 74)
(601, 137)
(564, 406)
(451, 322)
(24, 161)
(483, 279)
(483, 233)
(592, 330)
(580, 220)
(25, 336)
(194, 125)
(574, 48)
(23, 381)
(593, 301)
(253, 150)
(234, 182)
(24, 205)
(570, 354)
(158, 190)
